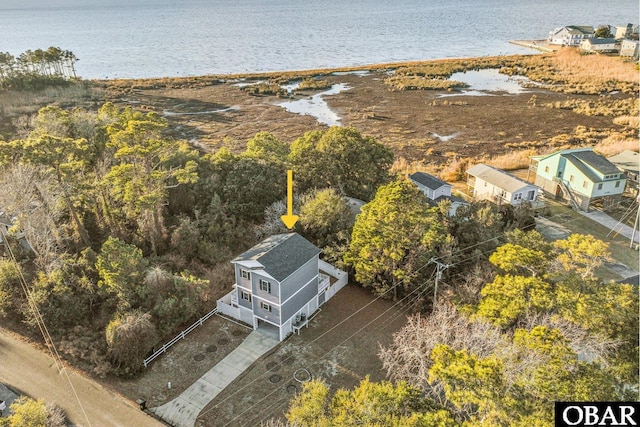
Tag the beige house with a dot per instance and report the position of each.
(594, 45)
(488, 183)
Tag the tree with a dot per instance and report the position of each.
(266, 146)
(407, 357)
(603, 32)
(372, 404)
(130, 336)
(582, 254)
(146, 165)
(121, 267)
(511, 298)
(343, 159)
(11, 293)
(52, 146)
(27, 412)
(323, 215)
(246, 185)
(394, 234)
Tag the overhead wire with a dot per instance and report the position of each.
(394, 317)
(37, 315)
(323, 357)
(458, 251)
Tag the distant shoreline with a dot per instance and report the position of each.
(292, 74)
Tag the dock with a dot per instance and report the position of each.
(541, 45)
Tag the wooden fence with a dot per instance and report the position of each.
(178, 337)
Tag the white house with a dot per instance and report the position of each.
(629, 48)
(498, 186)
(571, 35)
(593, 45)
(280, 283)
(436, 190)
(579, 176)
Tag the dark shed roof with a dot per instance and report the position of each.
(427, 180)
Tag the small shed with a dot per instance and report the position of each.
(436, 190)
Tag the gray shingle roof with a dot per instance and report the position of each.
(498, 178)
(595, 161)
(281, 254)
(427, 180)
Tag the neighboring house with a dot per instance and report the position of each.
(629, 48)
(489, 183)
(571, 35)
(628, 162)
(579, 176)
(280, 283)
(594, 45)
(623, 31)
(436, 190)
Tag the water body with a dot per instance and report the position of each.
(316, 106)
(158, 38)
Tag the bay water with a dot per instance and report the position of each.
(167, 38)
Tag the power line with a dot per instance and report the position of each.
(41, 323)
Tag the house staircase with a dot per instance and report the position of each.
(568, 194)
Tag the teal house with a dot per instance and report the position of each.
(579, 176)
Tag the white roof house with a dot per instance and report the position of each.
(498, 186)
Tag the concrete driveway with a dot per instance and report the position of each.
(184, 409)
(612, 224)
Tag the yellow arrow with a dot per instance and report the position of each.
(289, 219)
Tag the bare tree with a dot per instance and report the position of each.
(408, 358)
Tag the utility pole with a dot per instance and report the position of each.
(635, 224)
(440, 267)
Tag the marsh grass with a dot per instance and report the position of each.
(16, 103)
(313, 84)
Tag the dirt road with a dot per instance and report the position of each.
(32, 372)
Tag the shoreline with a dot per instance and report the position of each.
(296, 74)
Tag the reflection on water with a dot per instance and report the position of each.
(482, 81)
(316, 106)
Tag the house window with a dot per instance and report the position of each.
(584, 184)
(246, 296)
(265, 286)
(245, 274)
(546, 169)
(617, 184)
(517, 196)
(531, 195)
(265, 306)
(600, 186)
(571, 178)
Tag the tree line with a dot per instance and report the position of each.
(130, 232)
(35, 69)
